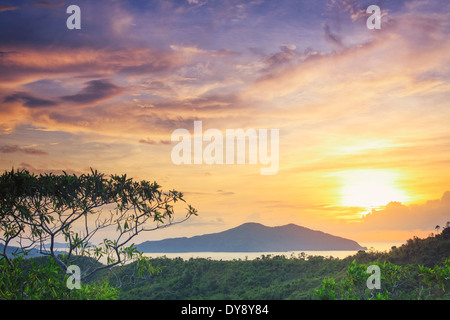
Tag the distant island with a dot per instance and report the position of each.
(253, 237)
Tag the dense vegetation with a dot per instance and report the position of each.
(265, 278)
(44, 279)
(420, 269)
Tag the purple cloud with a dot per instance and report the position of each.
(16, 149)
(94, 91)
(29, 100)
(49, 4)
(7, 7)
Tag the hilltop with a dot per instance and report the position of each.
(253, 237)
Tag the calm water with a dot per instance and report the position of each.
(379, 246)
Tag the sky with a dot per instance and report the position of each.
(363, 114)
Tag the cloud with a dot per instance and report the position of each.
(33, 62)
(185, 81)
(49, 4)
(153, 142)
(17, 149)
(29, 100)
(218, 192)
(354, 10)
(157, 88)
(7, 7)
(397, 216)
(287, 54)
(94, 91)
(146, 68)
(333, 38)
(198, 221)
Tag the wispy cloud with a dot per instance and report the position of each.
(49, 4)
(17, 149)
(7, 7)
(333, 38)
(95, 91)
(153, 142)
(29, 100)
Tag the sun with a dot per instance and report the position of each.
(370, 189)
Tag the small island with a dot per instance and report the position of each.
(253, 237)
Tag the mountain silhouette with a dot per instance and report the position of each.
(253, 237)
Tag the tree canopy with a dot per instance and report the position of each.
(40, 211)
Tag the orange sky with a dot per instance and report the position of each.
(363, 114)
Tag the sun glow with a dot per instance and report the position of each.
(370, 188)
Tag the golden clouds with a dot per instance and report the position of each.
(346, 100)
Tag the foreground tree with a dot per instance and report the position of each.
(38, 213)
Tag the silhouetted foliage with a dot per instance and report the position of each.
(37, 212)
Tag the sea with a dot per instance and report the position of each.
(340, 254)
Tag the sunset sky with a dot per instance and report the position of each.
(364, 115)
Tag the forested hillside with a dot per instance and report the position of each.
(419, 269)
(297, 277)
(265, 278)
